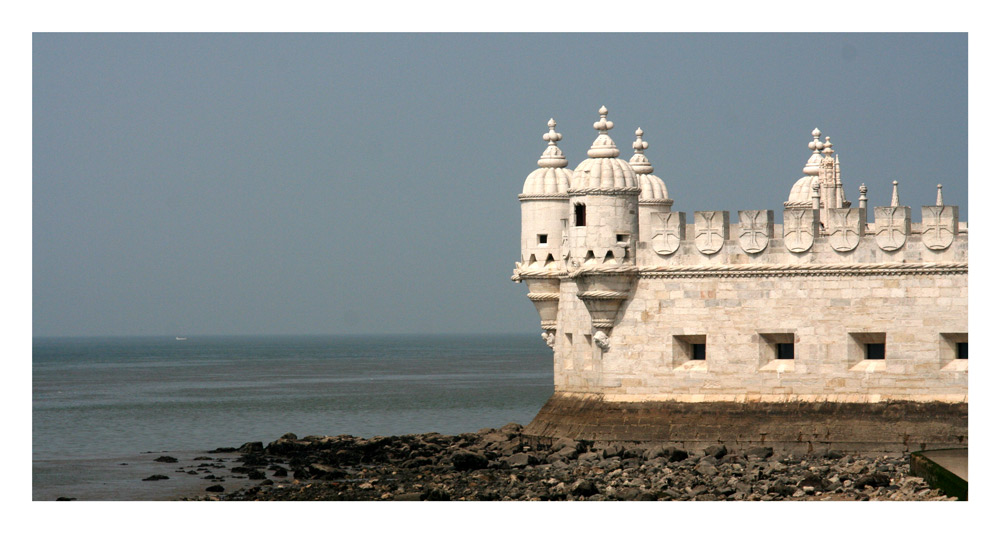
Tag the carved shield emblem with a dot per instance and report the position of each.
(668, 232)
(711, 229)
(940, 225)
(800, 229)
(845, 229)
(756, 229)
(892, 225)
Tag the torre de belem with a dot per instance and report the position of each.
(842, 328)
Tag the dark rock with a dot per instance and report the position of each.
(155, 477)
(877, 479)
(464, 461)
(223, 450)
(436, 495)
(256, 475)
(65, 499)
(408, 497)
(522, 459)
(781, 489)
(706, 469)
(289, 436)
(280, 472)
(165, 459)
(215, 488)
(583, 487)
(762, 452)
(267, 482)
(833, 454)
(326, 472)
(251, 448)
(717, 451)
(202, 458)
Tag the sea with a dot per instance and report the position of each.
(103, 409)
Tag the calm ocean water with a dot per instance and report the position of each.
(99, 404)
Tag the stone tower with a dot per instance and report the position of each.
(604, 198)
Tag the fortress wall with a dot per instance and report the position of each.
(829, 318)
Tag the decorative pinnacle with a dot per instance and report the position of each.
(639, 144)
(552, 157)
(895, 194)
(603, 146)
(604, 125)
(828, 146)
(815, 194)
(863, 197)
(863, 189)
(639, 162)
(940, 197)
(815, 145)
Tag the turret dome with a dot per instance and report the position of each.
(551, 178)
(602, 169)
(653, 190)
(801, 193)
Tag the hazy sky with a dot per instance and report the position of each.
(367, 183)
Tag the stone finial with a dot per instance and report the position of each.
(815, 195)
(552, 157)
(940, 197)
(603, 146)
(813, 164)
(863, 198)
(639, 162)
(828, 147)
(815, 145)
(894, 202)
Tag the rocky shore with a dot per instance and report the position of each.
(503, 464)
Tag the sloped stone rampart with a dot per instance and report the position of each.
(816, 427)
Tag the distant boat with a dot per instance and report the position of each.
(181, 338)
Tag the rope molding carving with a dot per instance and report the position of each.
(602, 295)
(541, 296)
(666, 201)
(862, 269)
(553, 196)
(597, 191)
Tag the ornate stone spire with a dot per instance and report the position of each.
(603, 146)
(940, 197)
(815, 195)
(827, 146)
(640, 163)
(863, 198)
(894, 202)
(552, 157)
(816, 145)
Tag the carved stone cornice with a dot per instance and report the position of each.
(553, 196)
(622, 191)
(855, 269)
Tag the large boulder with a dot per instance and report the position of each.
(463, 461)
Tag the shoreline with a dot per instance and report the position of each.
(504, 464)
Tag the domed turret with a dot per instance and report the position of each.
(604, 194)
(544, 220)
(544, 206)
(822, 170)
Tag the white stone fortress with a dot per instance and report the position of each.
(849, 311)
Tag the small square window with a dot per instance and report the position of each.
(697, 352)
(962, 350)
(622, 238)
(784, 350)
(875, 351)
(543, 238)
(580, 215)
